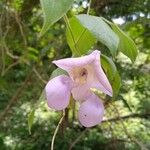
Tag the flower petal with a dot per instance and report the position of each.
(91, 111)
(81, 92)
(103, 83)
(69, 63)
(58, 92)
(97, 78)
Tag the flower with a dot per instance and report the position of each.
(84, 73)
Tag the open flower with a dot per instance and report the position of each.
(84, 73)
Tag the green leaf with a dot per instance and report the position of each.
(101, 31)
(126, 44)
(116, 84)
(83, 39)
(53, 11)
(57, 72)
(109, 66)
(30, 120)
(112, 74)
(42, 96)
(126, 104)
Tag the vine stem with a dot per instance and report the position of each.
(15, 97)
(77, 139)
(56, 130)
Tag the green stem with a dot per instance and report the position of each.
(56, 130)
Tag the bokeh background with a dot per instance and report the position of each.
(25, 67)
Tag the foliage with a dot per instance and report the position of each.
(101, 31)
(25, 67)
(53, 11)
(83, 40)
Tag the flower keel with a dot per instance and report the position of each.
(58, 91)
(91, 111)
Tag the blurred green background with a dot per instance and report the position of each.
(25, 67)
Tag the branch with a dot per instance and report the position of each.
(133, 139)
(2, 62)
(146, 115)
(77, 139)
(14, 98)
(8, 52)
(21, 29)
(5, 45)
(39, 76)
(88, 10)
(9, 67)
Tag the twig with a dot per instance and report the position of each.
(1, 35)
(3, 62)
(9, 67)
(56, 130)
(1, 17)
(5, 45)
(21, 29)
(8, 52)
(126, 131)
(77, 139)
(39, 76)
(89, 7)
(14, 98)
(113, 136)
(127, 117)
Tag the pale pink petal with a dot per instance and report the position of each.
(81, 92)
(69, 63)
(91, 111)
(96, 76)
(103, 83)
(58, 92)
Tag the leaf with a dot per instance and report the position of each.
(30, 120)
(109, 66)
(126, 44)
(83, 39)
(116, 84)
(126, 105)
(78, 1)
(42, 96)
(101, 31)
(53, 11)
(112, 74)
(57, 72)
(3, 84)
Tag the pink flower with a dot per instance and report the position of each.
(84, 73)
